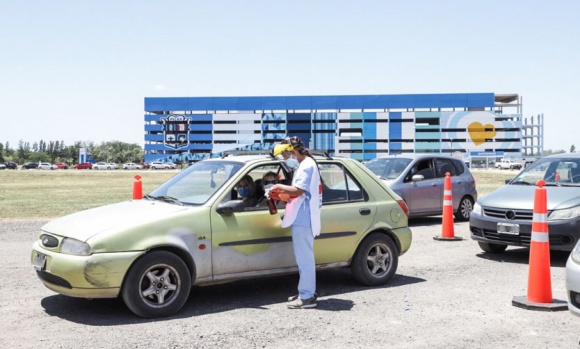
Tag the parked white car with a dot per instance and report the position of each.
(47, 166)
(507, 164)
(573, 280)
(132, 166)
(158, 165)
(105, 166)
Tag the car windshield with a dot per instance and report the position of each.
(196, 184)
(555, 171)
(388, 168)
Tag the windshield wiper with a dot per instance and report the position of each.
(165, 198)
(521, 183)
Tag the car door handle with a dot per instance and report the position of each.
(364, 211)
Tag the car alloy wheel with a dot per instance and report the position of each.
(375, 260)
(464, 210)
(157, 285)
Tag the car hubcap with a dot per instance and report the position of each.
(466, 208)
(378, 260)
(160, 285)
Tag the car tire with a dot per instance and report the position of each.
(492, 248)
(375, 260)
(157, 273)
(464, 210)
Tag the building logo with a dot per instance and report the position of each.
(175, 131)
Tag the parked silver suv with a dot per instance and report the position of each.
(419, 180)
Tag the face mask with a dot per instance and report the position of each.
(244, 192)
(292, 162)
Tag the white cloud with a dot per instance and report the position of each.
(160, 87)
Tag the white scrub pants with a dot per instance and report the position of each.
(303, 243)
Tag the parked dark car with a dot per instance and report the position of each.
(11, 165)
(30, 165)
(504, 217)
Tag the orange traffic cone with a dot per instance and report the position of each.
(447, 226)
(539, 279)
(137, 188)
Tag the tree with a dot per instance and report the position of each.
(572, 149)
(7, 150)
(118, 152)
(23, 150)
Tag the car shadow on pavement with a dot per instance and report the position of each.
(521, 255)
(424, 221)
(333, 287)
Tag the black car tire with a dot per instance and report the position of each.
(157, 285)
(464, 210)
(492, 248)
(375, 260)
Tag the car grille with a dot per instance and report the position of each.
(53, 279)
(509, 214)
(522, 239)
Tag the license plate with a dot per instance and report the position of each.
(39, 261)
(508, 228)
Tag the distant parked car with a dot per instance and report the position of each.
(30, 165)
(2, 166)
(145, 165)
(47, 166)
(62, 166)
(508, 164)
(419, 180)
(132, 166)
(83, 166)
(113, 165)
(158, 165)
(11, 165)
(104, 166)
(504, 217)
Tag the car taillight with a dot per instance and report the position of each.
(404, 206)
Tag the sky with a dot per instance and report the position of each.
(79, 70)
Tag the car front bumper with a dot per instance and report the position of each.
(573, 286)
(96, 276)
(563, 233)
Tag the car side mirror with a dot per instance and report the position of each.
(231, 206)
(417, 178)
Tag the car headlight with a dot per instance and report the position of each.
(476, 209)
(75, 247)
(568, 213)
(575, 255)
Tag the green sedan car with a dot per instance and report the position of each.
(195, 230)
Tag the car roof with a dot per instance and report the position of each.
(257, 156)
(564, 155)
(414, 156)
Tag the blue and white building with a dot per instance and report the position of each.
(357, 126)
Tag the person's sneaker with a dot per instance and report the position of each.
(302, 303)
(295, 297)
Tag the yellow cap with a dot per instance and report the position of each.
(280, 148)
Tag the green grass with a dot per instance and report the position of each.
(36, 194)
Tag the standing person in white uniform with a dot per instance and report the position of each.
(302, 215)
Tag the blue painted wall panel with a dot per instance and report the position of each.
(459, 100)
